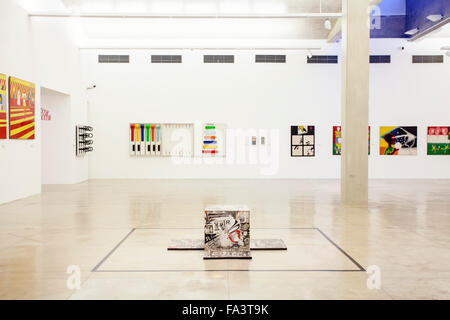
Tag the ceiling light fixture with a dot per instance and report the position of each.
(412, 31)
(327, 24)
(435, 17)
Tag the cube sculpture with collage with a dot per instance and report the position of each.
(227, 232)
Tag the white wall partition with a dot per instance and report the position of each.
(56, 134)
(42, 52)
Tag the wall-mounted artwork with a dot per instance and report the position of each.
(210, 139)
(213, 139)
(83, 140)
(153, 139)
(337, 140)
(397, 141)
(21, 109)
(303, 141)
(146, 139)
(178, 139)
(438, 141)
(3, 113)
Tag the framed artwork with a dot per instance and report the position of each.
(397, 141)
(3, 114)
(337, 140)
(21, 109)
(213, 139)
(438, 143)
(303, 141)
(177, 139)
(210, 139)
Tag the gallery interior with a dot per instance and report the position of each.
(225, 149)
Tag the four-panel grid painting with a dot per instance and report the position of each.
(303, 141)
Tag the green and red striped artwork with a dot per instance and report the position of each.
(438, 141)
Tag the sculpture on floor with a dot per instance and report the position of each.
(227, 235)
(227, 232)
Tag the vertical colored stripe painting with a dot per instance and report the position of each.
(210, 140)
(395, 141)
(438, 143)
(3, 114)
(337, 140)
(21, 109)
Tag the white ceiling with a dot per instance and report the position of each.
(100, 23)
(114, 32)
(443, 32)
(180, 6)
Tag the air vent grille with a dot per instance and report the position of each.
(380, 59)
(218, 59)
(322, 59)
(428, 59)
(260, 58)
(166, 59)
(113, 58)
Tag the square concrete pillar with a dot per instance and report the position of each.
(355, 101)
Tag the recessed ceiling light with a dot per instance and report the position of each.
(327, 24)
(435, 17)
(412, 31)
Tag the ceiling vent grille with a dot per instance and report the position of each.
(428, 59)
(322, 59)
(166, 59)
(102, 58)
(261, 58)
(380, 59)
(218, 59)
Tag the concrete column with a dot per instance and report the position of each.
(355, 101)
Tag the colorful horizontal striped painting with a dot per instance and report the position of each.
(209, 140)
(3, 131)
(21, 109)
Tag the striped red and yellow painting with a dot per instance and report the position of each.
(21, 109)
(3, 131)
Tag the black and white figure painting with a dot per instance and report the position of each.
(227, 229)
(303, 141)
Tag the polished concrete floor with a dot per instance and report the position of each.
(117, 231)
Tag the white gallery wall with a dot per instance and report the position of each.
(42, 52)
(250, 95)
(56, 134)
(243, 95)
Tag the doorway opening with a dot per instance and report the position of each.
(57, 149)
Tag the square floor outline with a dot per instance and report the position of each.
(360, 267)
